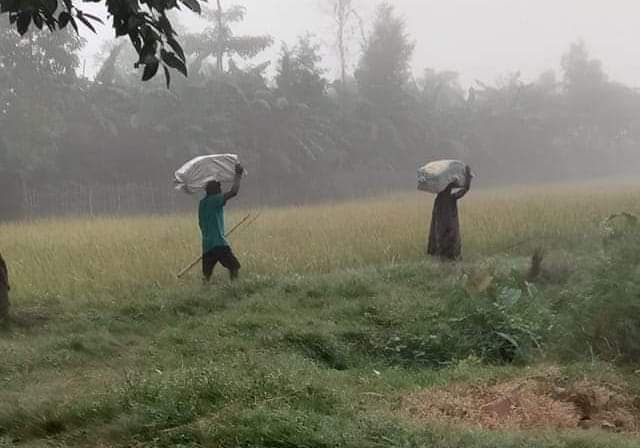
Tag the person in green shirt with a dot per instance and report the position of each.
(211, 219)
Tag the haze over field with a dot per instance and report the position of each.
(480, 39)
(523, 91)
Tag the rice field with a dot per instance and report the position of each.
(75, 257)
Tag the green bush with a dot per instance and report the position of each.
(505, 324)
(606, 316)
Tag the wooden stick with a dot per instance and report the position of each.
(188, 268)
(254, 219)
(234, 228)
(197, 260)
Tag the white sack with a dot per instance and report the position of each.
(434, 177)
(194, 175)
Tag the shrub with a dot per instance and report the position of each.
(606, 317)
(504, 324)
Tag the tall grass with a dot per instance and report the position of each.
(74, 257)
(335, 320)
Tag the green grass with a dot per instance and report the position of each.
(318, 342)
(265, 362)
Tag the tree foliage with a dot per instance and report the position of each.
(39, 75)
(384, 69)
(306, 138)
(219, 40)
(299, 76)
(145, 22)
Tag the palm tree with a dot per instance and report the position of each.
(218, 39)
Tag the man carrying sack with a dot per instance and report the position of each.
(215, 247)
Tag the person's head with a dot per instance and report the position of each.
(213, 187)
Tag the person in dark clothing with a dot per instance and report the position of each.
(211, 220)
(4, 289)
(444, 235)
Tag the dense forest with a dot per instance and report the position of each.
(109, 144)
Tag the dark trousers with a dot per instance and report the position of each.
(225, 256)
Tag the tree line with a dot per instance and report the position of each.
(303, 134)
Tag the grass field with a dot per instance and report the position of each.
(337, 319)
(81, 257)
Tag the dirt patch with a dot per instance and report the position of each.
(545, 401)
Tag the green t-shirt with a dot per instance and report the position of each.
(211, 219)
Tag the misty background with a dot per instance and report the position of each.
(479, 39)
(523, 91)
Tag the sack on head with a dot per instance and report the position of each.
(436, 176)
(194, 175)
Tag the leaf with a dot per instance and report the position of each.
(509, 339)
(167, 76)
(136, 41)
(51, 23)
(94, 18)
(73, 23)
(148, 32)
(148, 52)
(24, 19)
(165, 25)
(150, 70)
(63, 19)
(86, 22)
(175, 46)
(172, 61)
(37, 20)
(193, 5)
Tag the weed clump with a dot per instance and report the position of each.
(505, 323)
(319, 348)
(605, 316)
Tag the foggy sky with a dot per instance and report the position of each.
(481, 39)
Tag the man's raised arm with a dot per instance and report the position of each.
(467, 185)
(236, 184)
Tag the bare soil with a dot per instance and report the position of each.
(542, 401)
